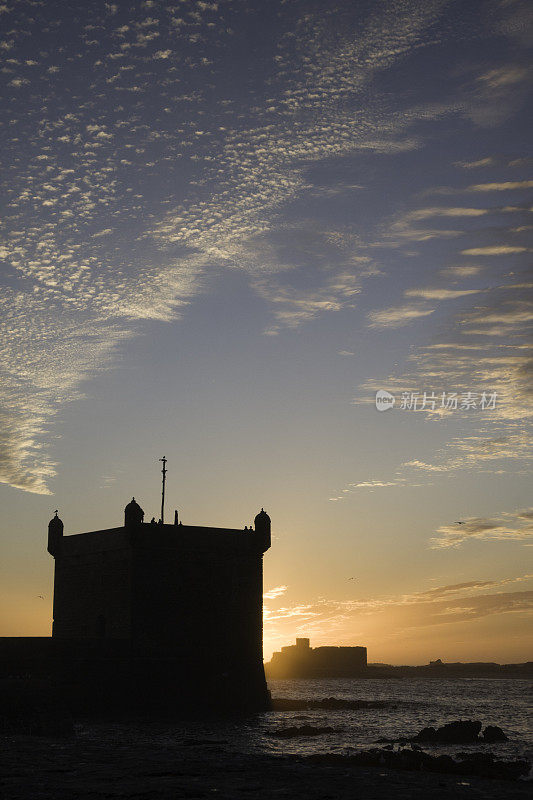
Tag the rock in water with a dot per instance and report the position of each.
(493, 733)
(458, 732)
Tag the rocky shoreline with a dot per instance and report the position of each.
(44, 754)
(104, 760)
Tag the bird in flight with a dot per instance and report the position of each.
(41, 596)
(459, 523)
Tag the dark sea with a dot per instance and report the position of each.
(387, 708)
(400, 708)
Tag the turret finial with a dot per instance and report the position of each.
(133, 514)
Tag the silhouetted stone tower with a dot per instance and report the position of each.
(55, 534)
(160, 616)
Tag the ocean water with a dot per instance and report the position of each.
(400, 708)
(389, 708)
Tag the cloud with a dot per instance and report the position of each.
(440, 294)
(416, 463)
(497, 93)
(371, 485)
(401, 229)
(518, 525)
(495, 250)
(488, 161)
(135, 185)
(483, 452)
(134, 190)
(376, 620)
(441, 211)
(501, 186)
(462, 271)
(503, 77)
(495, 186)
(397, 316)
(503, 312)
(272, 594)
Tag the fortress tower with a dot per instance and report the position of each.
(152, 615)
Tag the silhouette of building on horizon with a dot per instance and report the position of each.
(156, 614)
(300, 660)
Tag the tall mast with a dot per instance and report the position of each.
(164, 471)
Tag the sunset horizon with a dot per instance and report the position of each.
(286, 245)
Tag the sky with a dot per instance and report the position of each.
(226, 226)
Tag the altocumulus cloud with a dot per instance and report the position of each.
(484, 346)
(85, 151)
(129, 187)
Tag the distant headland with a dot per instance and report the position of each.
(303, 661)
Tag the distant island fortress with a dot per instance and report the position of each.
(300, 660)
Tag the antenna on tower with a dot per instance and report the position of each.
(164, 471)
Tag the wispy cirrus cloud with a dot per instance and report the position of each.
(488, 161)
(483, 345)
(397, 316)
(494, 186)
(369, 484)
(494, 250)
(500, 186)
(462, 271)
(436, 293)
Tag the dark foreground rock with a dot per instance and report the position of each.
(150, 762)
(493, 733)
(33, 707)
(329, 703)
(457, 732)
(482, 765)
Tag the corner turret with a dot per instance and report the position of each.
(262, 528)
(133, 514)
(55, 535)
